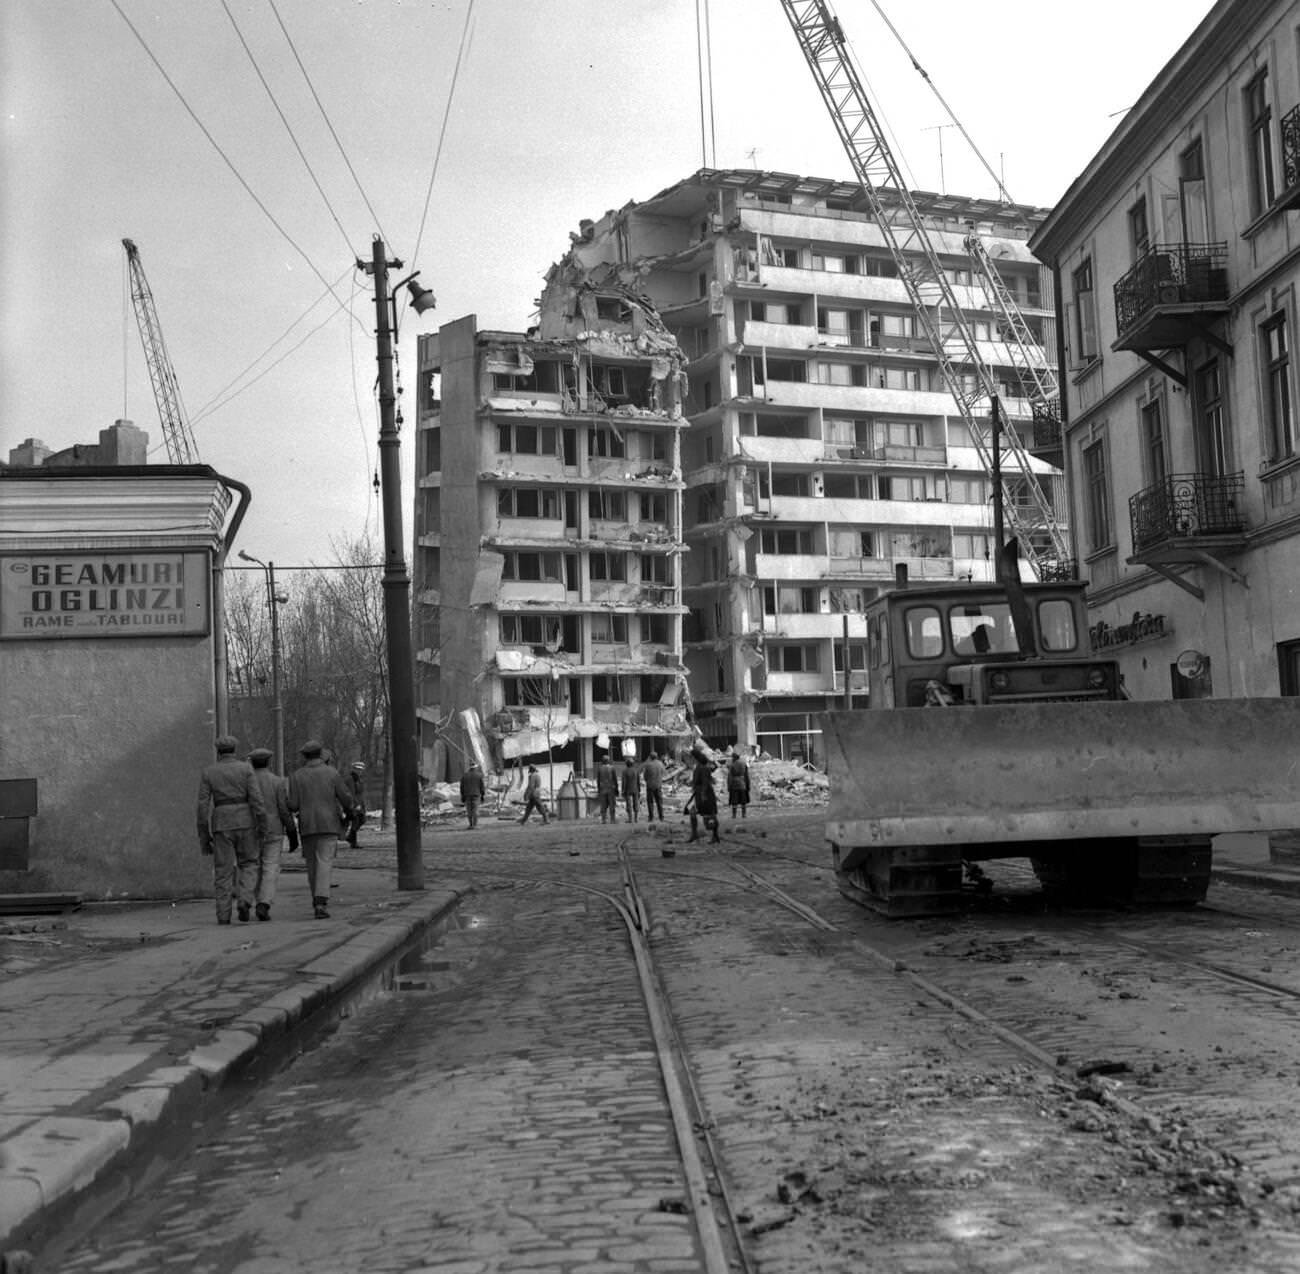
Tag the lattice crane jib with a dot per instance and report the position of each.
(177, 435)
(965, 371)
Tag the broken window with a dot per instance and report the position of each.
(531, 566)
(527, 502)
(526, 440)
(607, 506)
(609, 630)
(656, 569)
(653, 507)
(607, 566)
(605, 443)
(613, 308)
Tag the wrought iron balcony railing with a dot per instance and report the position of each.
(1291, 158)
(1047, 426)
(1172, 274)
(1187, 506)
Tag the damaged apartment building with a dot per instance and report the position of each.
(823, 450)
(548, 533)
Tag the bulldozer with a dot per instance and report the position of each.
(994, 732)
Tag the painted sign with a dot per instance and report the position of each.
(1140, 628)
(112, 594)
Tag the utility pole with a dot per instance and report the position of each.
(277, 700)
(397, 597)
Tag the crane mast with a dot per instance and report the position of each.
(166, 391)
(965, 371)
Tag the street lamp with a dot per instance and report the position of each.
(274, 601)
(397, 583)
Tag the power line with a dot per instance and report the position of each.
(217, 147)
(321, 106)
(287, 127)
(442, 132)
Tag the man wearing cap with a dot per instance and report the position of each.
(357, 786)
(317, 792)
(533, 795)
(472, 792)
(231, 822)
(274, 792)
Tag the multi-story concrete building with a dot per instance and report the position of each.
(824, 450)
(1178, 255)
(548, 520)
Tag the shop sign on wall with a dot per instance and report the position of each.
(1140, 628)
(114, 594)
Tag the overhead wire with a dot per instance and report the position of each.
(212, 141)
(442, 132)
(288, 128)
(325, 116)
(921, 71)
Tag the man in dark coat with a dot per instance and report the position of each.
(738, 785)
(231, 822)
(317, 793)
(704, 800)
(472, 792)
(274, 792)
(631, 784)
(533, 795)
(357, 786)
(607, 791)
(653, 774)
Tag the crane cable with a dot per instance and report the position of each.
(921, 71)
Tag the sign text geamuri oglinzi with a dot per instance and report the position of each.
(103, 594)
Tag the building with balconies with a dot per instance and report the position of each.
(547, 563)
(1177, 255)
(824, 450)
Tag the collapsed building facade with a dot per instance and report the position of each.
(824, 450)
(548, 533)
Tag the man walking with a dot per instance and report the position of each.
(357, 787)
(472, 792)
(738, 784)
(533, 796)
(631, 790)
(274, 792)
(231, 822)
(704, 799)
(317, 793)
(653, 774)
(607, 791)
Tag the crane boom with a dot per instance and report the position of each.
(965, 371)
(166, 391)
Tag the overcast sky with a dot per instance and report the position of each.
(561, 110)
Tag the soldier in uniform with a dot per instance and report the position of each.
(317, 794)
(274, 792)
(231, 823)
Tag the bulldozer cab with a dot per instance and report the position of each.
(959, 644)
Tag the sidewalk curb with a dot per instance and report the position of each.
(57, 1158)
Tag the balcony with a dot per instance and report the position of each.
(1290, 128)
(1188, 519)
(1048, 439)
(1171, 295)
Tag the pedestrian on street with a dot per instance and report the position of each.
(738, 785)
(704, 800)
(607, 791)
(653, 774)
(631, 777)
(317, 792)
(357, 787)
(274, 792)
(231, 822)
(472, 792)
(533, 796)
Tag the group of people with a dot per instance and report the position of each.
(611, 783)
(246, 812)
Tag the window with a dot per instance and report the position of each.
(834, 263)
(1096, 497)
(613, 308)
(1259, 144)
(529, 630)
(1085, 313)
(607, 506)
(1211, 422)
(968, 491)
(526, 440)
(789, 369)
(1153, 441)
(839, 374)
(656, 629)
(843, 325)
(788, 599)
(1279, 420)
(775, 312)
(784, 658)
(928, 486)
(605, 690)
(857, 656)
(531, 566)
(656, 569)
(1139, 236)
(898, 377)
(526, 502)
(787, 540)
(609, 382)
(609, 630)
(972, 546)
(605, 443)
(924, 631)
(1193, 208)
(1056, 626)
(608, 566)
(983, 628)
(652, 507)
(897, 325)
